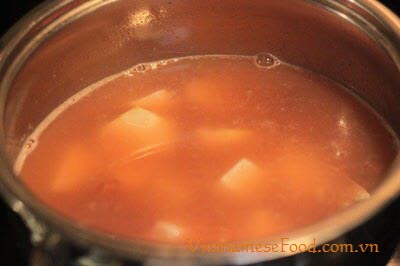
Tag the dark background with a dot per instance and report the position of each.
(14, 237)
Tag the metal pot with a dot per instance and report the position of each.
(63, 46)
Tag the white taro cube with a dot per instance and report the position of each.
(74, 169)
(155, 100)
(357, 192)
(136, 129)
(361, 193)
(139, 117)
(204, 93)
(309, 175)
(242, 177)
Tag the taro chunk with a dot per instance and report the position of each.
(139, 117)
(310, 176)
(354, 192)
(74, 170)
(155, 100)
(242, 177)
(136, 129)
(208, 92)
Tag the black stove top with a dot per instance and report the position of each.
(15, 240)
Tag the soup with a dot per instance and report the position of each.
(207, 148)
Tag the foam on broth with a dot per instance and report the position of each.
(208, 148)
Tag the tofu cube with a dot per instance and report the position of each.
(242, 177)
(74, 170)
(155, 100)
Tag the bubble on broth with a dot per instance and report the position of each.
(143, 67)
(263, 60)
(139, 68)
(29, 143)
(28, 146)
(266, 60)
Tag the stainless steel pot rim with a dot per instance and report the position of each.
(323, 231)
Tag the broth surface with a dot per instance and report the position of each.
(207, 148)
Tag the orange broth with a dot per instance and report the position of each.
(207, 148)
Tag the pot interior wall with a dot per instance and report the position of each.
(123, 33)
